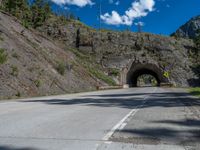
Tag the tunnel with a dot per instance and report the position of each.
(137, 70)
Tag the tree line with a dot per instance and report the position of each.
(32, 13)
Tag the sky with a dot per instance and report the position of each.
(155, 16)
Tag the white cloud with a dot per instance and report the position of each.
(114, 19)
(138, 9)
(80, 3)
(140, 24)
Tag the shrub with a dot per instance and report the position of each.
(37, 83)
(3, 56)
(61, 68)
(100, 75)
(1, 38)
(14, 71)
(114, 72)
(15, 55)
(195, 91)
(18, 94)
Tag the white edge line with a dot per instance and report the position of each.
(121, 124)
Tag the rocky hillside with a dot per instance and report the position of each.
(116, 51)
(190, 29)
(32, 64)
(63, 56)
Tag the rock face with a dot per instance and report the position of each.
(134, 54)
(34, 57)
(189, 30)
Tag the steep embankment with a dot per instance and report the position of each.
(32, 64)
(63, 56)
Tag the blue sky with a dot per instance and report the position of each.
(156, 16)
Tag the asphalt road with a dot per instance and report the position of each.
(147, 118)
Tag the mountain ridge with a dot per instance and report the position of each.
(190, 29)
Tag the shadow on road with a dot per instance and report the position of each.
(127, 100)
(184, 132)
(166, 135)
(12, 148)
(187, 122)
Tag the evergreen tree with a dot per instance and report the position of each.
(197, 39)
(40, 12)
(18, 8)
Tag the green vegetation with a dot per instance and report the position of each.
(197, 39)
(14, 71)
(15, 55)
(18, 8)
(1, 38)
(30, 15)
(18, 94)
(41, 11)
(146, 79)
(80, 55)
(93, 68)
(100, 75)
(3, 56)
(37, 83)
(36, 13)
(114, 72)
(61, 68)
(195, 91)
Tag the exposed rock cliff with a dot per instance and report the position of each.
(190, 29)
(61, 57)
(120, 50)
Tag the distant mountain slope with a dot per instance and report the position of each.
(190, 29)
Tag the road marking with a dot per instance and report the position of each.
(122, 123)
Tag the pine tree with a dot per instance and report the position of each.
(18, 8)
(197, 39)
(9, 5)
(40, 12)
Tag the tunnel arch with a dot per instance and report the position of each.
(138, 69)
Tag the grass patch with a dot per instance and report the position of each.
(1, 38)
(37, 83)
(18, 94)
(114, 72)
(15, 55)
(14, 71)
(195, 91)
(80, 55)
(61, 68)
(93, 68)
(100, 75)
(3, 56)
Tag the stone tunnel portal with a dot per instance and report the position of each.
(137, 70)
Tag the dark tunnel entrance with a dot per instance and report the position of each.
(149, 73)
(144, 77)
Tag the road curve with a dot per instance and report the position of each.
(146, 118)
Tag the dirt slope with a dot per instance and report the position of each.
(32, 64)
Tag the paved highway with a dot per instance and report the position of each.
(148, 118)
